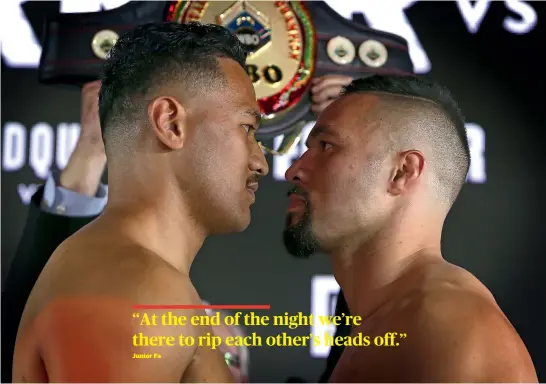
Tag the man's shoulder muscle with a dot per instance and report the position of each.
(462, 335)
(122, 268)
(91, 318)
(92, 337)
(123, 274)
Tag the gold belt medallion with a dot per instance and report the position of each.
(280, 41)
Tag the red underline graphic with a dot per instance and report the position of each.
(231, 307)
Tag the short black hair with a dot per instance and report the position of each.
(155, 54)
(441, 123)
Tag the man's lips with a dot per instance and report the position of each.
(252, 188)
(297, 203)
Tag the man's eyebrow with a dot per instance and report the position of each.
(320, 130)
(255, 114)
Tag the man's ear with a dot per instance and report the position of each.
(405, 176)
(169, 121)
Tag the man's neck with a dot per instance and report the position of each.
(157, 219)
(368, 269)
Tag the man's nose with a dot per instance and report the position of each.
(295, 172)
(258, 162)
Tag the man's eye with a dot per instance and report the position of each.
(249, 128)
(324, 145)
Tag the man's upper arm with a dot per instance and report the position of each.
(91, 340)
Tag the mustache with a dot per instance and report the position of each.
(297, 191)
(253, 179)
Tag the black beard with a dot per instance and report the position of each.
(298, 238)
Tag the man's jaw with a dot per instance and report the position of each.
(297, 241)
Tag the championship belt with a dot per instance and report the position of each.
(280, 40)
(350, 48)
(76, 44)
(288, 42)
(342, 47)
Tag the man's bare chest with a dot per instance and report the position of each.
(366, 362)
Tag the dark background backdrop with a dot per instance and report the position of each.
(495, 229)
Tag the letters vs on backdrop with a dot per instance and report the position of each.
(51, 146)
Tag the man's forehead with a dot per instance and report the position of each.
(242, 96)
(347, 113)
(236, 77)
(236, 99)
(356, 104)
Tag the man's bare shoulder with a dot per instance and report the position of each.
(84, 338)
(99, 272)
(452, 300)
(119, 266)
(97, 306)
(453, 321)
(466, 309)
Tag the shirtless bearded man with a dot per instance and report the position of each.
(178, 115)
(385, 163)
